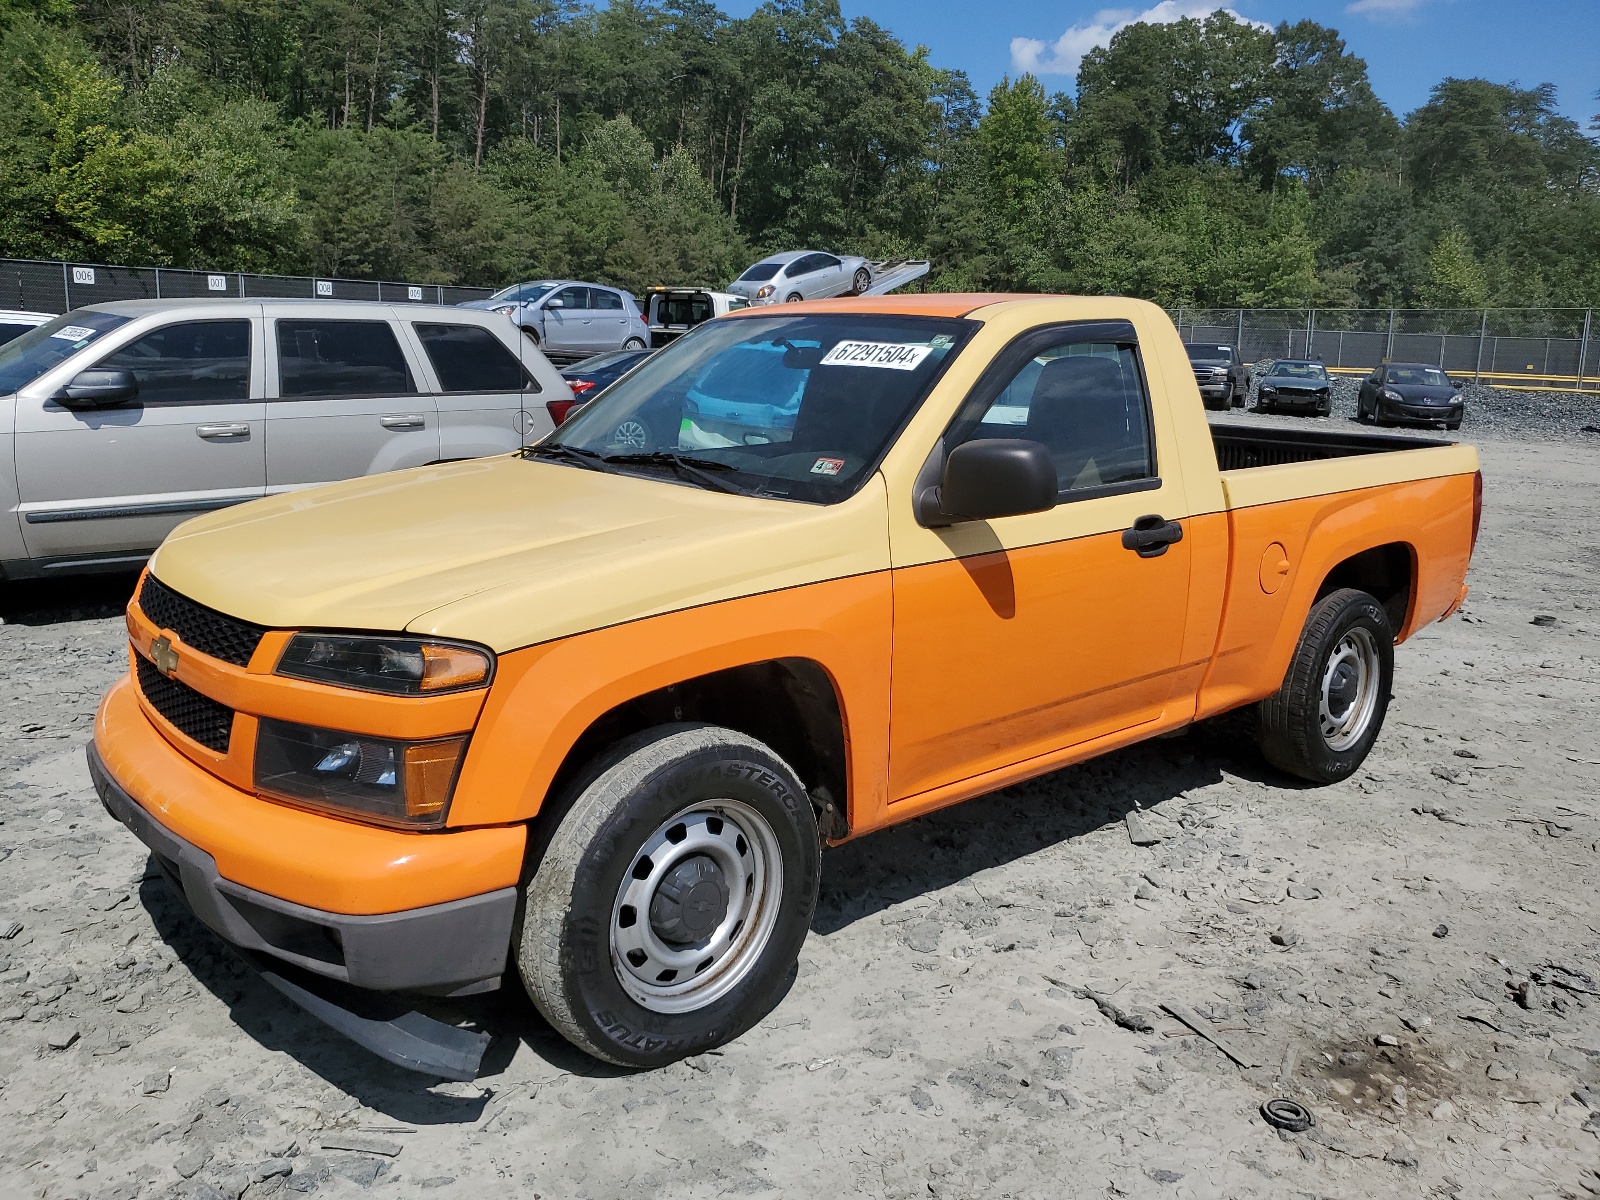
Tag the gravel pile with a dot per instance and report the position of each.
(1492, 412)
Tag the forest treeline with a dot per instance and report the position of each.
(481, 141)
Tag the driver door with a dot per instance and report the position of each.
(567, 325)
(99, 483)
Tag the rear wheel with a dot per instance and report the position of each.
(861, 282)
(793, 298)
(1324, 718)
(674, 897)
(633, 343)
(633, 434)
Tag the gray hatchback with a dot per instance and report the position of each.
(569, 320)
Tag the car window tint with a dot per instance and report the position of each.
(1085, 402)
(10, 330)
(825, 260)
(196, 362)
(340, 358)
(610, 301)
(573, 297)
(468, 358)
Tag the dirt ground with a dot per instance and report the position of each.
(1411, 955)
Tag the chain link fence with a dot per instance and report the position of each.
(1553, 349)
(58, 287)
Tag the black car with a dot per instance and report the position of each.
(1295, 385)
(593, 375)
(1410, 394)
(1219, 373)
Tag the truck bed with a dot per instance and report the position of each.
(1240, 447)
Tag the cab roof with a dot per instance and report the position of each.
(950, 304)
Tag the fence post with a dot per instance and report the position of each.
(1311, 330)
(158, 283)
(1388, 347)
(66, 285)
(1483, 335)
(1239, 345)
(1583, 346)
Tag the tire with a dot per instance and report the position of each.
(588, 960)
(793, 298)
(634, 434)
(861, 282)
(633, 343)
(531, 333)
(1323, 720)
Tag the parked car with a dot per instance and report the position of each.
(592, 376)
(1410, 394)
(14, 322)
(672, 312)
(1295, 385)
(132, 416)
(1221, 374)
(803, 275)
(570, 320)
(589, 713)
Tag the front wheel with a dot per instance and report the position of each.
(793, 298)
(674, 897)
(1326, 715)
(633, 343)
(861, 282)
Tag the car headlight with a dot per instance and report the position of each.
(763, 292)
(507, 309)
(1393, 396)
(395, 783)
(399, 666)
(1268, 391)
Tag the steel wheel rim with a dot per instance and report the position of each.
(677, 978)
(631, 433)
(1349, 693)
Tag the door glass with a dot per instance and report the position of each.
(468, 358)
(1085, 403)
(573, 297)
(196, 362)
(340, 358)
(609, 301)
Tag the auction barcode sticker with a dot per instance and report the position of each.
(74, 333)
(896, 356)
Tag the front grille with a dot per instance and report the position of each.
(205, 629)
(193, 715)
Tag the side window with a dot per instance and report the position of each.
(825, 262)
(573, 297)
(610, 301)
(468, 358)
(196, 362)
(340, 358)
(1086, 403)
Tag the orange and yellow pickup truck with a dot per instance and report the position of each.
(591, 711)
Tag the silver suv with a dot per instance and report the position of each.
(571, 320)
(127, 418)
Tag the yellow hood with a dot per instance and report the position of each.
(508, 552)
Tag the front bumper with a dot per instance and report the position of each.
(455, 948)
(1420, 414)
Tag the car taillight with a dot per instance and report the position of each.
(560, 410)
(1477, 507)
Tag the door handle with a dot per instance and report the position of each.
(1151, 535)
(223, 432)
(407, 421)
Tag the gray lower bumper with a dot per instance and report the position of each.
(451, 949)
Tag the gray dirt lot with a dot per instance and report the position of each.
(937, 1039)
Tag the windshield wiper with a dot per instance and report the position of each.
(699, 470)
(589, 459)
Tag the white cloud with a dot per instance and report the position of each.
(1061, 57)
(1383, 8)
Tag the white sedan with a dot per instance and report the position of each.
(802, 275)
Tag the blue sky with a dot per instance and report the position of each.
(1409, 45)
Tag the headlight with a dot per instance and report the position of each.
(1269, 391)
(400, 666)
(396, 783)
(507, 309)
(1393, 396)
(764, 292)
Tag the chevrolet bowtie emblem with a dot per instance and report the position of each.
(164, 656)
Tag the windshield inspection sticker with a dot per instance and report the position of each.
(827, 466)
(74, 333)
(895, 356)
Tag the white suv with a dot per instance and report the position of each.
(124, 419)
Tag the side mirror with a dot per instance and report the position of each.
(1457, 384)
(984, 480)
(555, 303)
(99, 387)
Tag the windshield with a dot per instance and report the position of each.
(761, 271)
(524, 293)
(24, 359)
(790, 407)
(1199, 353)
(688, 309)
(1429, 376)
(1298, 370)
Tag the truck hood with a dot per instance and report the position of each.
(509, 552)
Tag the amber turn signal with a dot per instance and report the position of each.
(446, 667)
(430, 774)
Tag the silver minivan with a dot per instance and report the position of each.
(119, 421)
